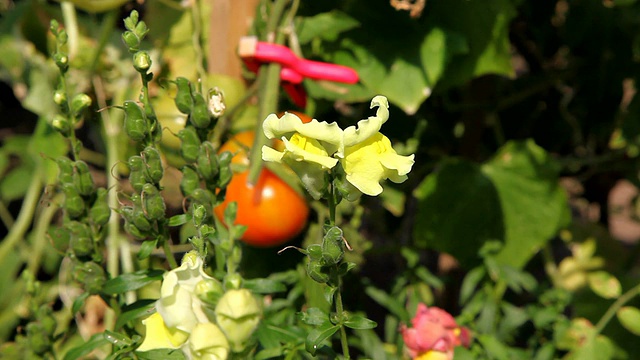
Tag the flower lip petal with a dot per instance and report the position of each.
(367, 127)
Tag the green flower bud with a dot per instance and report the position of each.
(317, 271)
(190, 144)
(153, 163)
(207, 161)
(60, 97)
(100, 211)
(82, 178)
(73, 202)
(46, 319)
(225, 174)
(65, 170)
(208, 342)
(233, 281)
(61, 124)
(139, 218)
(79, 103)
(131, 40)
(60, 237)
(135, 121)
(190, 180)
(142, 61)
(209, 291)
(314, 251)
(333, 246)
(199, 215)
(203, 197)
(91, 276)
(200, 113)
(238, 314)
(62, 61)
(184, 101)
(153, 203)
(137, 173)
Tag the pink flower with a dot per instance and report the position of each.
(434, 330)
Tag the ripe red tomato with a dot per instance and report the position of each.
(272, 211)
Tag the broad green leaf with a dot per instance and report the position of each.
(459, 210)
(138, 309)
(600, 348)
(318, 335)
(264, 286)
(161, 354)
(388, 302)
(146, 248)
(484, 25)
(313, 316)
(269, 353)
(326, 26)
(93, 343)
(359, 322)
(117, 339)
(437, 49)
(604, 284)
(271, 335)
(78, 303)
(14, 185)
(179, 219)
(629, 317)
(131, 281)
(493, 347)
(532, 202)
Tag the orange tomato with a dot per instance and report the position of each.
(273, 212)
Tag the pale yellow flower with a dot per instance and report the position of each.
(368, 157)
(207, 342)
(179, 305)
(159, 336)
(238, 314)
(308, 148)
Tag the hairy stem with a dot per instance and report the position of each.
(611, 311)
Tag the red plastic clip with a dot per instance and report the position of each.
(294, 69)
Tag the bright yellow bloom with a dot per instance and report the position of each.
(159, 336)
(435, 355)
(368, 156)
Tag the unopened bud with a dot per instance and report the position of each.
(142, 61)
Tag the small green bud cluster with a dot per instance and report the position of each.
(59, 56)
(86, 214)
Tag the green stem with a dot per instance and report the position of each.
(23, 222)
(40, 235)
(626, 297)
(71, 26)
(340, 310)
(169, 254)
(5, 216)
(196, 35)
(269, 82)
(332, 205)
(108, 24)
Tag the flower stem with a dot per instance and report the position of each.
(167, 251)
(343, 332)
(626, 297)
(196, 19)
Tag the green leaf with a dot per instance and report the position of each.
(388, 302)
(604, 284)
(138, 309)
(359, 322)
(437, 49)
(532, 201)
(117, 339)
(146, 249)
(470, 283)
(269, 353)
(629, 317)
(161, 354)
(94, 342)
(14, 185)
(318, 335)
(314, 316)
(179, 219)
(264, 286)
(79, 302)
(484, 26)
(131, 281)
(457, 217)
(326, 26)
(494, 348)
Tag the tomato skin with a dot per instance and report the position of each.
(273, 212)
(238, 145)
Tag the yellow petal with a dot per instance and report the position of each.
(368, 127)
(207, 342)
(159, 336)
(329, 135)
